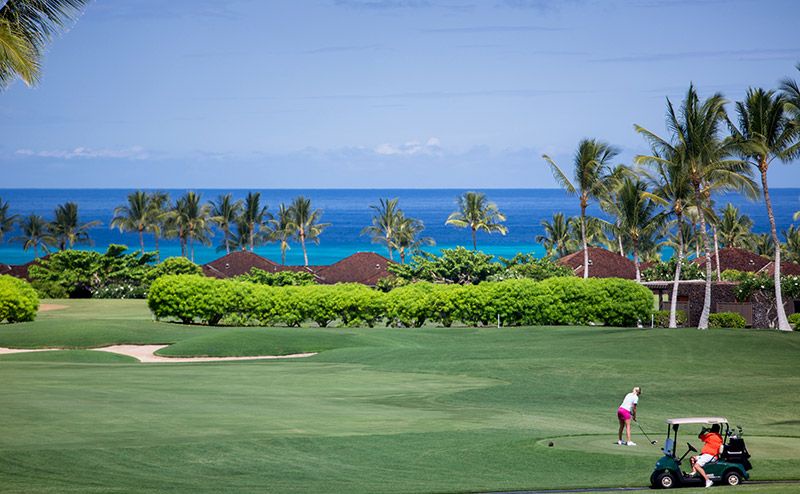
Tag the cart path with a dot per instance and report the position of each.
(146, 354)
(647, 488)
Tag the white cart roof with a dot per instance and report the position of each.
(698, 420)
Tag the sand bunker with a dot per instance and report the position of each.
(146, 354)
(49, 307)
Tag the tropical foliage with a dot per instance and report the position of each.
(478, 214)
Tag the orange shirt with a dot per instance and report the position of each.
(712, 442)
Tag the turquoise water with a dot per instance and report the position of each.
(348, 212)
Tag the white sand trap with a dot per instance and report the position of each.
(146, 354)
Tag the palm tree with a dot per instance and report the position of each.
(638, 215)
(407, 237)
(734, 228)
(34, 235)
(280, 228)
(790, 90)
(556, 237)
(385, 222)
(792, 245)
(255, 216)
(609, 203)
(191, 219)
(761, 244)
(133, 216)
(592, 164)
(305, 223)
(477, 213)
(696, 139)
(26, 26)
(673, 190)
(66, 228)
(157, 215)
(766, 132)
(223, 214)
(6, 220)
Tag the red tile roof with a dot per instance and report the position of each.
(787, 268)
(237, 263)
(19, 270)
(362, 267)
(738, 259)
(602, 264)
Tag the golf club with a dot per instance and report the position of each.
(645, 434)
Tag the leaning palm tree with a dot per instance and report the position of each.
(6, 220)
(34, 235)
(591, 162)
(765, 132)
(280, 229)
(157, 216)
(407, 237)
(133, 217)
(26, 26)
(734, 228)
(66, 227)
(556, 237)
(385, 221)
(223, 214)
(305, 223)
(255, 216)
(696, 138)
(639, 217)
(673, 190)
(478, 214)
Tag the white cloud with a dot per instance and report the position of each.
(411, 148)
(131, 153)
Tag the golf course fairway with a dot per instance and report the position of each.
(376, 410)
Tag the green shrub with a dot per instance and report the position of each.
(444, 301)
(661, 318)
(726, 320)
(18, 300)
(471, 303)
(191, 298)
(281, 278)
(408, 306)
(794, 320)
(174, 265)
(356, 304)
(291, 306)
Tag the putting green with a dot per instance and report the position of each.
(760, 447)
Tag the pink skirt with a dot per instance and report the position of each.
(623, 414)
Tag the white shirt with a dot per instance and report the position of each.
(630, 400)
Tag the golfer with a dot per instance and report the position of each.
(711, 448)
(626, 411)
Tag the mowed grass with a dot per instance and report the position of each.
(377, 410)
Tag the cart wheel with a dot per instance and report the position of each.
(665, 481)
(732, 477)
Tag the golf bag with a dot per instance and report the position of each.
(736, 452)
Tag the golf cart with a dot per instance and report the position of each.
(730, 468)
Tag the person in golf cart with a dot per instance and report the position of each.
(625, 412)
(712, 447)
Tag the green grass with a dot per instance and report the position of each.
(378, 410)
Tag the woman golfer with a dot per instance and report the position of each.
(626, 411)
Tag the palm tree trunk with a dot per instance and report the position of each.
(283, 253)
(783, 322)
(389, 244)
(227, 233)
(585, 247)
(621, 250)
(402, 256)
(158, 253)
(703, 323)
(716, 252)
(474, 240)
(191, 247)
(251, 241)
(673, 301)
(636, 260)
(141, 238)
(303, 245)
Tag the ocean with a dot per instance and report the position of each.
(348, 211)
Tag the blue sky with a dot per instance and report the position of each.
(373, 93)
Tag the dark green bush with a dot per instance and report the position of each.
(661, 318)
(18, 300)
(726, 320)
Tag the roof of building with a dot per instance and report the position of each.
(738, 259)
(19, 270)
(238, 263)
(362, 267)
(787, 268)
(602, 264)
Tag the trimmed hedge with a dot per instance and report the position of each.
(661, 318)
(726, 320)
(555, 301)
(18, 300)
